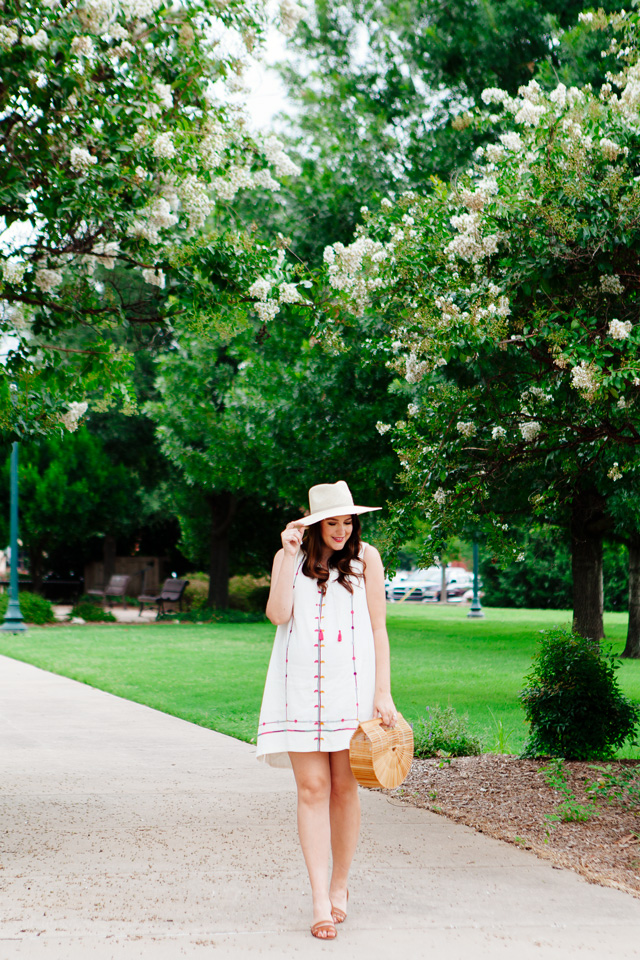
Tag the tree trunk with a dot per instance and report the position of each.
(632, 648)
(108, 558)
(587, 525)
(223, 507)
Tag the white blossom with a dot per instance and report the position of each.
(494, 95)
(467, 428)
(583, 378)
(440, 496)
(585, 18)
(498, 433)
(267, 310)
(529, 430)
(290, 15)
(413, 409)
(386, 204)
(414, 369)
(530, 114)
(619, 330)
(273, 150)
(610, 149)
(512, 141)
(610, 283)
(83, 47)
(260, 289)
(196, 202)
(13, 271)
(382, 428)
(74, 413)
(236, 178)
(520, 558)
(81, 160)
(155, 277)
(615, 473)
(262, 178)
(354, 269)
(163, 146)
(38, 41)
(289, 293)
(8, 37)
(151, 219)
(47, 280)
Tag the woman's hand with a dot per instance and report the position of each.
(383, 706)
(291, 538)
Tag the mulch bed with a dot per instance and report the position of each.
(507, 798)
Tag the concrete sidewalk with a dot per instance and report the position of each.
(126, 833)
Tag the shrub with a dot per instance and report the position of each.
(92, 612)
(34, 608)
(209, 615)
(195, 595)
(444, 731)
(248, 593)
(572, 701)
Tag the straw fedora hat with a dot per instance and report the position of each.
(331, 500)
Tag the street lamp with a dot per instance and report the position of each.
(475, 610)
(13, 619)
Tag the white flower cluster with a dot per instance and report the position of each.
(74, 413)
(529, 430)
(610, 149)
(585, 18)
(236, 178)
(615, 473)
(47, 280)
(38, 41)
(620, 330)
(273, 150)
(154, 276)
(13, 271)
(498, 433)
(629, 101)
(413, 409)
(260, 289)
(213, 144)
(104, 253)
(610, 283)
(583, 378)
(81, 160)
(347, 268)
(262, 178)
(382, 428)
(164, 95)
(440, 496)
(8, 37)
(473, 199)
(467, 428)
(196, 202)
(291, 14)
(267, 310)
(289, 293)
(153, 218)
(163, 146)
(83, 47)
(414, 369)
(530, 114)
(512, 141)
(96, 15)
(469, 244)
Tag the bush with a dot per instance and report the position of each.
(209, 615)
(248, 593)
(195, 595)
(573, 703)
(444, 731)
(92, 612)
(34, 608)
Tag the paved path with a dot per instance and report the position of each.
(126, 833)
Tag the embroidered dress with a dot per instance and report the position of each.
(321, 676)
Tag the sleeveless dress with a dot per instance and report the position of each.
(321, 677)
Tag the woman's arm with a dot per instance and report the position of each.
(280, 602)
(383, 705)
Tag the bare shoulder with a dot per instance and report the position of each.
(371, 557)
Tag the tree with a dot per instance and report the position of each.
(69, 492)
(119, 139)
(252, 423)
(510, 301)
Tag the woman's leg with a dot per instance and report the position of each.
(344, 809)
(313, 780)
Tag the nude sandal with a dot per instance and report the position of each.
(323, 925)
(338, 915)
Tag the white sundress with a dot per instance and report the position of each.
(321, 677)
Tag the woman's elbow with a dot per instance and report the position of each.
(277, 617)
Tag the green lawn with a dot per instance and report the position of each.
(213, 674)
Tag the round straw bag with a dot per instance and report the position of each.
(381, 756)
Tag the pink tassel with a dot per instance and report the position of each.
(321, 636)
(339, 636)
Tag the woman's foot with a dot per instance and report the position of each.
(339, 900)
(323, 925)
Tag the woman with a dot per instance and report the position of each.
(329, 670)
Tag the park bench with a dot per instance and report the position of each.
(172, 592)
(117, 587)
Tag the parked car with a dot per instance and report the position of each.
(399, 578)
(423, 586)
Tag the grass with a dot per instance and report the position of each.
(213, 674)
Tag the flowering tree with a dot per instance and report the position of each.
(511, 301)
(118, 139)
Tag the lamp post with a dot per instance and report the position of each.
(475, 610)
(13, 619)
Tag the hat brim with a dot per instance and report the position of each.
(341, 511)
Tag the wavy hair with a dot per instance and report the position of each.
(341, 560)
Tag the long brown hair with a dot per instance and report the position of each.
(340, 560)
